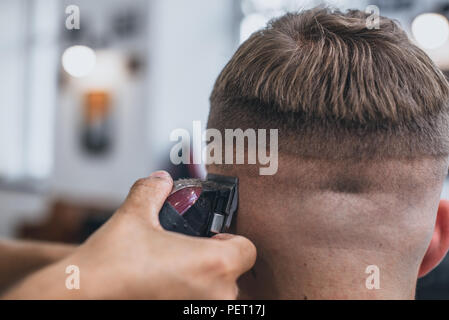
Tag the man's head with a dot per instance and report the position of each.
(363, 119)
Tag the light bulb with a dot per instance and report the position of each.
(431, 30)
(78, 61)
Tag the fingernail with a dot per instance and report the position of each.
(223, 236)
(160, 174)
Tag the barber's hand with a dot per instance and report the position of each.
(132, 257)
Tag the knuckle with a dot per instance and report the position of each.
(152, 183)
(221, 265)
(140, 184)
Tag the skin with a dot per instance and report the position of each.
(132, 257)
(320, 224)
(20, 258)
(311, 245)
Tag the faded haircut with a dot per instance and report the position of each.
(336, 89)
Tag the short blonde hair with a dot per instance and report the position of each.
(336, 89)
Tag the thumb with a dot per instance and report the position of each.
(240, 252)
(147, 196)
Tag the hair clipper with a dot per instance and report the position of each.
(201, 208)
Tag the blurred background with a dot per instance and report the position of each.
(87, 109)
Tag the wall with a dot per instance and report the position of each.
(188, 43)
(191, 41)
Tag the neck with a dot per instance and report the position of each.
(291, 278)
(321, 246)
(318, 227)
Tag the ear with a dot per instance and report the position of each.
(439, 245)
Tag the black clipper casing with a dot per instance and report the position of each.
(213, 211)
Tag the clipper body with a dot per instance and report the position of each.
(201, 208)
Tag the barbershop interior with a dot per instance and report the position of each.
(88, 106)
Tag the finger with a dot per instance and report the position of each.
(240, 252)
(148, 195)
